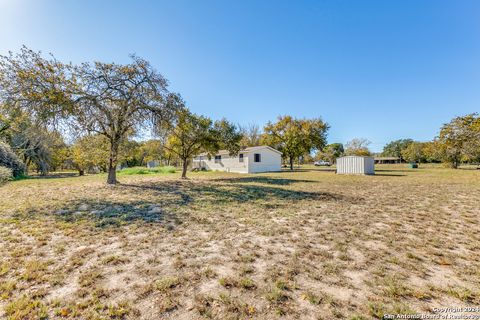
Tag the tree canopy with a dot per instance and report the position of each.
(10, 160)
(395, 148)
(460, 140)
(113, 100)
(90, 153)
(331, 152)
(358, 147)
(189, 134)
(414, 152)
(295, 137)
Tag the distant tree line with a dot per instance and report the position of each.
(458, 142)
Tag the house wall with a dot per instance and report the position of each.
(227, 163)
(270, 161)
(356, 165)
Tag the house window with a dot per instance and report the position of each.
(218, 159)
(256, 157)
(240, 157)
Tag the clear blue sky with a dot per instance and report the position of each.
(381, 70)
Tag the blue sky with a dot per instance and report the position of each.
(380, 70)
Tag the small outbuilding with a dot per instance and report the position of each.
(356, 165)
(248, 160)
(153, 164)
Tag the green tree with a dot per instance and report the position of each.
(190, 134)
(37, 146)
(414, 152)
(459, 139)
(472, 145)
(432, 151)
(295, 137)
(331, 152)
(226, 136)
(58, 151)
(4, 124)
(358, 147)
(150, 150)
(395, 148)
(89, 152)
(130, 153)
(10, 160)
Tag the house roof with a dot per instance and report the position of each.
(245, 150)
(250, 149)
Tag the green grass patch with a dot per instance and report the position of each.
(20, 177)
(143, 170)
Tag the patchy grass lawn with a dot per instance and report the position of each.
(307, 244)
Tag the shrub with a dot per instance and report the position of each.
(10, 160)
(5, 174)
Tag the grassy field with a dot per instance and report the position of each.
(295, 245)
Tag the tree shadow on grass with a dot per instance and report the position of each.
(390, 175)
(175, 190)
(263, 179)
(400, 170)
(222, 191)
(168, 202)
(469, 168)
(315, 169)
(107, 213)
(55, 175)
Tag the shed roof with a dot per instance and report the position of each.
(356, 157)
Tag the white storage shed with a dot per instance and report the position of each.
(248, 160)
(356, 165)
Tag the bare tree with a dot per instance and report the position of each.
(358, 147)
(119, 100)
(251, 135)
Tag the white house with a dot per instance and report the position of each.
(356, 165)
(248, 160)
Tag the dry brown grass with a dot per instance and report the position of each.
(306, 244)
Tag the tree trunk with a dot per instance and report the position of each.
(455, 164)
(456, 161)
(112, 164)
(291, 163)
(112, 173)
(184, 168)
(81, 172)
